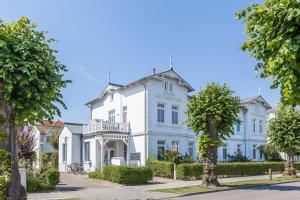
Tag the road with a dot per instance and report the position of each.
(287, 191)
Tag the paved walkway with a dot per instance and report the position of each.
(287, 191)
(80, 186)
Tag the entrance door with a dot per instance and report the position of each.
(109, 153)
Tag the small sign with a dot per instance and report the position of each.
(135, 156)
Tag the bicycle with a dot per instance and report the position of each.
(74, 168)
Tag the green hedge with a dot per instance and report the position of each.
(194, 171)
(126, 175)
(161, 168)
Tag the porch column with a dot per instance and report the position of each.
(102, 153)
(128, 151)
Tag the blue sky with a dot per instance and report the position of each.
(129, 38)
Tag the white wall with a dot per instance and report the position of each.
(65, 133)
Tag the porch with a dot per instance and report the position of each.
(105, 143)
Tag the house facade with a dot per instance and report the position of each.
(134, 122)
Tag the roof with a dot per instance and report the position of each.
(74, 128)
(46, 126)
(169, 73)
(256, 99)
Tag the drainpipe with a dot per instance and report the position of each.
(146, 122)
(245, 131)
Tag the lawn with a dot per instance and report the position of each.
(225, 186)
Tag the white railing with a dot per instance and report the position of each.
(104, 126)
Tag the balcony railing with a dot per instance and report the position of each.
(96, 126)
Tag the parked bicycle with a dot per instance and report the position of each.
(75, 168)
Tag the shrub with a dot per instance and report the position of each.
(176, 157)
(126, 175)
(238, 158)
(54, 160)
(96, 174)
(42, 180)
(270, 153)
(195, 171)
(161, 168)
(43, 161)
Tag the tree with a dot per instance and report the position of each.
(213, 112)
(26, 145)
(270, 153)
(54, 144)
(284, 134)
(32, 79)
(274, 40)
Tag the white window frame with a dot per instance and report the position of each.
(191, 148)
(175, 145)
(160, 112)
(175, 112)
(261, 126)
(87, 151)
(111, 97)
(254, 152)
(111, 116)
(160, 144)
(64, 152)
(225, 152)
(238, 149)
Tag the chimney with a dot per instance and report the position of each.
(154, 71)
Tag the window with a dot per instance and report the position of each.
(42, 137)
(260, 126)
(191, 148)
(238, 127)
(254, 152)
(239, 149)
(87, 151)
(161, 113)
(166, 86)
(225, 152)
(254, 125)
(64, 151)
(125, 114)
(111, 97)
(261, 156)
(48, 138)
(160, 149)
(171, 87)
(175, 145)
(111, 116)
(257, 108)
(174, 114)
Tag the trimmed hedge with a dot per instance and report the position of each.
(195, 171)
(126, 175)
(161, 168)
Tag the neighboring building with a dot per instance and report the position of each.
(134, 122)
(250, 133)
(43, 132)
(70, 145)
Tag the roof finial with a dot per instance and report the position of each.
(171, 62)
(259, 91)
(108, 77)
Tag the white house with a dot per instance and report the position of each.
(134, 122)
(43, 131)
(250, 133)
(70, 145)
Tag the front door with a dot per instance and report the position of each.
(109, 153)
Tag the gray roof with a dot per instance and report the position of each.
(74, 128)
(254, 99)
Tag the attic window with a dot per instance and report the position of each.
(166, 86)
(111, 97)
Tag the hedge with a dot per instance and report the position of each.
(42, 180)
(126, 175)
(194, 171)
(161, 168)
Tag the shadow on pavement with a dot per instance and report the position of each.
(64, 187)
(275, 187)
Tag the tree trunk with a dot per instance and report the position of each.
(289, 164)
(210, 176)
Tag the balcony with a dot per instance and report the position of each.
(101, 126)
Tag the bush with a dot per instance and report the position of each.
(238, 158)
(124, 174)
(161, 168)
(270, 153)
(43, 161)
(195, 171)
(42, 180)
(176, 157)
(54, 160)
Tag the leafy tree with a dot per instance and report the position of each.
(213, 112)
(284, 134)
(271, 153)
(54, 141)
(32, 79)
(274, 40)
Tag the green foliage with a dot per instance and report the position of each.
(274, 40)
(126, 175)
(195, 171)
(284, 129)
(54, 160)
(42, 181)
(176, 157)
(96, 174)
(215, 106)
(31, 73)
(43, 161)
(54, 141)
(161, 168)
(270, 153)
(238, 158)
(5, 172)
